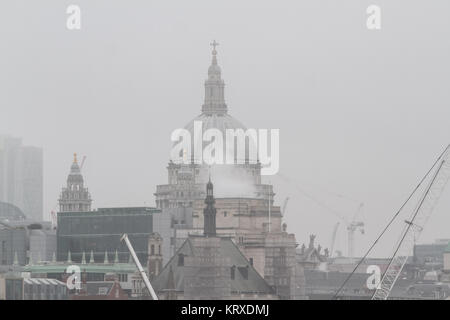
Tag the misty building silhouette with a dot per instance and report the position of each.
(210, 267)
(186, 181)
(21, 176)
(244, 211)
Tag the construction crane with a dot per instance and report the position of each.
(283, 209)
(333, 238)
(352, 226)
(139, 266)
(82, 162)
(414, 226)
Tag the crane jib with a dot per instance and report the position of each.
(414, 227)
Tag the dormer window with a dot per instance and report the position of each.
(181, 260)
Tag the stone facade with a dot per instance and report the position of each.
(187, 179)
(155, 255)
(245, 210)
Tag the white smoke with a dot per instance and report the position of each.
(232, 181)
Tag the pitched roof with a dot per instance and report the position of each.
(253, 283)
(44, 281)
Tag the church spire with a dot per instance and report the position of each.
(214, 88)
(214, 44)
(75, 168)
(75, 197)
(209, 224)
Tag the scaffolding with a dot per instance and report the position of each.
(207, 274)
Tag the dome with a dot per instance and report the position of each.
(223, 123)
(75, 176)
(215, 121)
(214, 71)
(75, 168)
(215, 116)
(10, 212)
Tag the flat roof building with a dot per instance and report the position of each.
(99, 232)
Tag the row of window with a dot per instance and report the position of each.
(152, 250)
(70, 196)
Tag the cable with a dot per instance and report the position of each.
(389, 223)
(330, 192)
(318, 202)
(410, 223)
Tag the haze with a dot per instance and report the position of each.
(361, 113)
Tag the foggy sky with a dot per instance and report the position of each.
(361, 113)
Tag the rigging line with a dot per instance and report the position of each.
(330, 192)
(320, 203)
(390, 222)
(411, 222)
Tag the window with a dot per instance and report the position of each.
(152, 250)
(244, 272)
(251, 261)
(103, 291)
(3, 253)
(123, 277)
(233, 271)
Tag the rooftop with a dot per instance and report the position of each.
(61, 267)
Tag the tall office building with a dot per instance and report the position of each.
(21, 176)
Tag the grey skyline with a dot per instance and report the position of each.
(361, 113)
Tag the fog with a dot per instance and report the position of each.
(362, 114)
